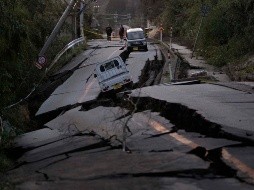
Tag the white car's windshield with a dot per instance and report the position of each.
(135, 35)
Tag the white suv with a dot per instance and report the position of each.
(135, 39)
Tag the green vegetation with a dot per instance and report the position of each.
(24, 27)
(226, 34)
(5, 162)
(93, 34)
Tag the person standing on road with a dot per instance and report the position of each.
(109, 31)
(121, 33)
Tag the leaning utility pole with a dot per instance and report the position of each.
(41, 61)
(194, 46)
(57, 28)
(81, 20)
(204, 11)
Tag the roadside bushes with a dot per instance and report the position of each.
(92, 34)
(226, 34)
(217, 56)
(24, 27)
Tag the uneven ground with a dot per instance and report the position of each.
(175, 137)
(242, 70)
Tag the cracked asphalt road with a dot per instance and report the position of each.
(177, 137)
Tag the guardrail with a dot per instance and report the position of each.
(172, 62)
(57, 57)
(65, 49)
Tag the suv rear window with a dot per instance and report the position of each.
(109, 65)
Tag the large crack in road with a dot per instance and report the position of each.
(190, 121)
(182, 118)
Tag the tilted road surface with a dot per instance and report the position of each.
(177, 136)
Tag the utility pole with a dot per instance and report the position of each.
(81, 20)
(129, 18)
(57, 28)
(115, 17)
(171, 36)
(74, 24)
(197, 36)
(41, 57)
(204, 11)
(161, 30)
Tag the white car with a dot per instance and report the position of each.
(135, 39)
(112, 74)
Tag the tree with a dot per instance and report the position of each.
(226, 33)
(24, 27)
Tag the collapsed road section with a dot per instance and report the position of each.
(81, 87)
(159, 151)
(168, 139)
(191, 136)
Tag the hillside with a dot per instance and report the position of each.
(225, 30)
